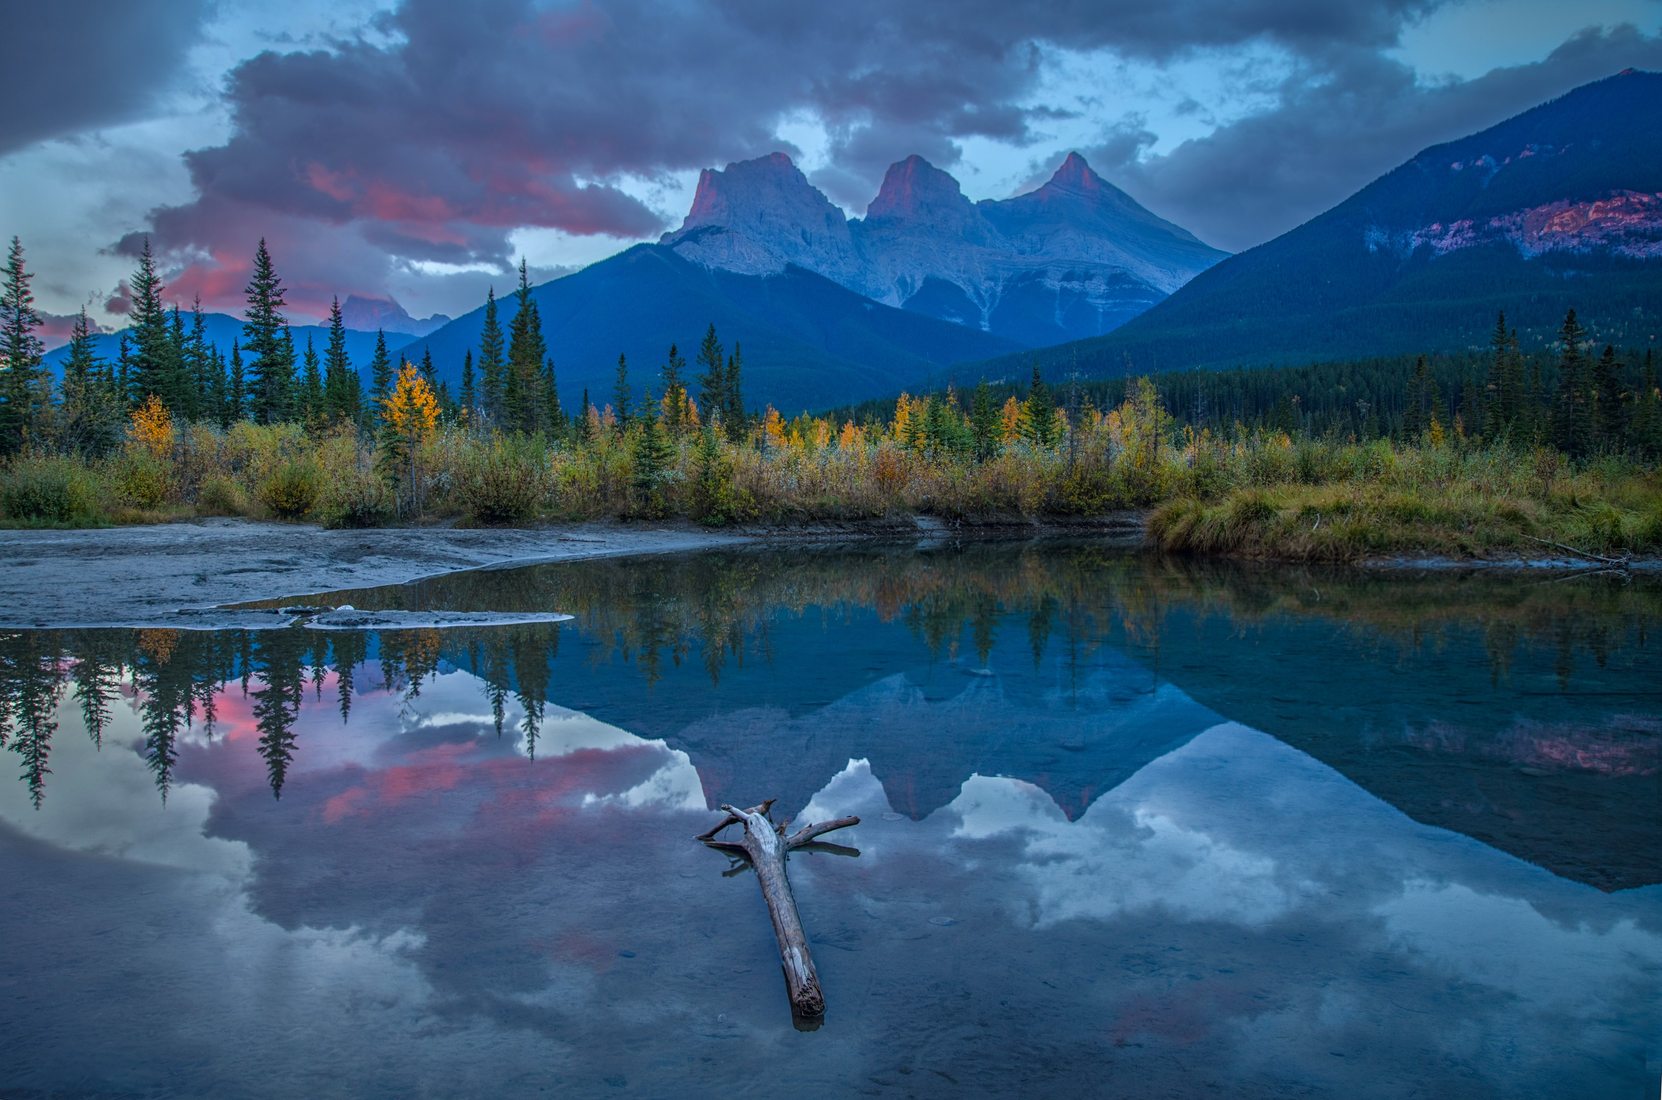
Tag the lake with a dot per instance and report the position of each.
(1128, 827)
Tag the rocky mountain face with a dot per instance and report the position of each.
(368, 314)
(1559, 207)
(1076, 257)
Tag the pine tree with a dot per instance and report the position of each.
(653, 454)
(153, 368)
(556, 416)
(20, 355)
(176, 391)
(89, 416)
(1416, 406)
(732, 413)
(523, 398)
(271, 366)
(199, 367)
(1572, 426)
(582, 421)
(712, 379)
(675, 393)
(491, 362)
(123, 373)
(341, 388)
(311, 386)
(380, 369)
(236, 402)
(468, 397)
(984, 422)
(1647, 411)
(620, 394)
(1039, 414)
(1501, 413)
(219, 394)
(1610, 411)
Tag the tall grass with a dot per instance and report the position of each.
(1262, 494)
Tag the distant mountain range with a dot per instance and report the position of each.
(806, 341)
(367, 314)
(1556, 208)
(1076, 257)
(830, 310)
(222, 329)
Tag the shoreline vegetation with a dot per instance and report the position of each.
(1504, 453)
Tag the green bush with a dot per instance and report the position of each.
(291, 490)
(143, 480)
(504, 485)
(356, 498)
(220, 496)
(49, 490)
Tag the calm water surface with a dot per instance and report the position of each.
(1129, 829)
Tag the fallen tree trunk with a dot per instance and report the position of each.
(765, 846)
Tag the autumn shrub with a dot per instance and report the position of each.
(141, 479)
(41, 489)
(221, 496)
(354, 497)
(503, 484)
(291, 490)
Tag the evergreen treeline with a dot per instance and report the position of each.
(263, 378)
(1581, 398)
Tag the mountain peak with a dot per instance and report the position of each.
(759, 216)
(366, 313)
(1075, 175)
(913, 187)
(747, 181)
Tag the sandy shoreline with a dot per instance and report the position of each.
(170, 574)
(183, 574)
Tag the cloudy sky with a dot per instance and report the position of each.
(418, 148)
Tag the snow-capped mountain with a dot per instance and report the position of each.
(1075, 257)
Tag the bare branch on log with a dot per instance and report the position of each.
(734, 817)
(807, 834)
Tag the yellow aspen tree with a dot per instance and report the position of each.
(1009, 421)
(902, 417)
(773, 428)
(409, 415)
(153, 427)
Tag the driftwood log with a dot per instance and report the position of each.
(765, 845)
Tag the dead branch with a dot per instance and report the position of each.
(765, 846)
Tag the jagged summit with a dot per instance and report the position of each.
(757, 217)
(1075, 257)
(368, 313)
(914, 188)
(1075, 175)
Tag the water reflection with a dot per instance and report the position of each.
(1126, 829)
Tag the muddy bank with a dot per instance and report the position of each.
(175, 574)
(182, 574)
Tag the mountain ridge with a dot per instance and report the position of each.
(1075, 256)
(1558, 206)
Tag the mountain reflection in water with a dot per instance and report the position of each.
(1127, 826)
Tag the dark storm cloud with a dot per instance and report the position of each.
(74, 66)
(480, 118)
(1336, 129)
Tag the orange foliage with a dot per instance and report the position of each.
(411, 409)
(153, 427)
